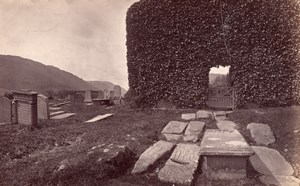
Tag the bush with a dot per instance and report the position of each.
(172, 44)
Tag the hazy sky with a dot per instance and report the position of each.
(84, 37)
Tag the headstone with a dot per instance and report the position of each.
(225, 154)
(26, 107)
(203, 114)
(261, 133)
(99, 117)
(63, 116)
(188, 116)
(88, 97)
(54, 108)
(181, 166)
(151, 155)
(5, 110)
(174, 127)
(111, 94)
(43, 107)
(270, 162)
(193, 131)
(106, 94)
(117, 92)
(220, 113)
(226, 125)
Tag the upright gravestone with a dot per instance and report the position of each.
(117, 92)
(88, 98)
(26, 107)
(111, 94)
(106, 94)
(5, 110)
(43, 107)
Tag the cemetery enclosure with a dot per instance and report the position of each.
(171, 46)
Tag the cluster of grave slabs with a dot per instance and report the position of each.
(221, 154)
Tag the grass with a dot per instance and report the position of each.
(31, 156)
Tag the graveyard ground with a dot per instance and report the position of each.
(33, 156)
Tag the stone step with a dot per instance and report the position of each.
(269, 161)
(182, 165)
(151, 155)
(261, 133)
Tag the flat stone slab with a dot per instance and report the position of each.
(270, 162)
(181, 166)
(203, 114)
(173, 137)
(220, 113)
(224, 143)
(55, 108)
(193, 131)
(220, 118)
(279, 180)
(174, 127)
(151, 155)
(99, 117)
(226, 125)
(56, 113)
(63, 116)
(188, 116)
(261, 133)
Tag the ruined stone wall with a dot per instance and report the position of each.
(172, 44)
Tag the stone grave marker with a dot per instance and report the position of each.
(5, 110)
(111, 94)
(117, 92)
(151, 155)
(188, 116)
(88, 97)
(174, 127)
(261, 133)
(193, 131)
(181, 166)
(43, 107)
(106, 94)
(225, 154)
(63, 116)
(226, 125)
(99, 117)
(26, 107)
(204, 114)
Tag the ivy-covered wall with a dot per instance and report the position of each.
(172, 44)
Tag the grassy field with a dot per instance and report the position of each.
(32, 156)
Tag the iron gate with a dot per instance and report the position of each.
(221, 97)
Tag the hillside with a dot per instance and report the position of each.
(105, 85)
(18, 73)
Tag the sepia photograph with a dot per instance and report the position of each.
(150, 93)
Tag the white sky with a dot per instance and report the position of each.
(84, 37)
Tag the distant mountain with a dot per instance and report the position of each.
(18, 73)
(106, 85)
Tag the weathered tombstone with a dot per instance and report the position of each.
(106, 94)
(43, 107)
(79, 96)
(111, 94)
(26, 107)
(100, 94)
(88, 98)
(117, 92)
(225, 154)
(5, 110)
